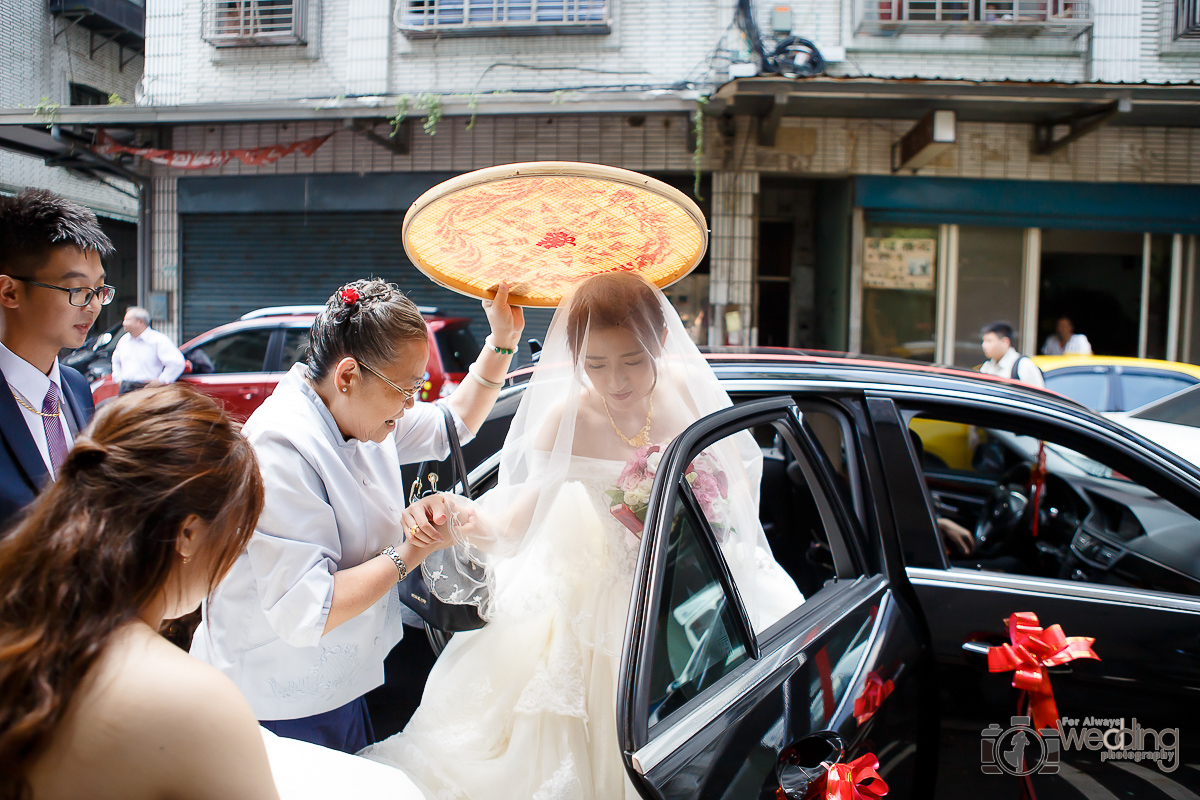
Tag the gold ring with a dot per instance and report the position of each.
(413, 530)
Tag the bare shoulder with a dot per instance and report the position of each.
(548, 433)
(154, 716)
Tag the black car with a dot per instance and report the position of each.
(1075, 519)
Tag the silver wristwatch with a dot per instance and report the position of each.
(391, 553)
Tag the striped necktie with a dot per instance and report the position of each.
(56, 442)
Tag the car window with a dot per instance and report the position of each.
(295, 347)
(1181, 409)
(243, 351)
(1141, 387)
(795, 546)
(698, 638)
(1061, 506)
(458, 348)
(1089, 388)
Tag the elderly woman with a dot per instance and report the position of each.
(306, 616)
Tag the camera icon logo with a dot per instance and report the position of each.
(1019, 749)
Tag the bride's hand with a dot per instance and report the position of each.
(507, 321)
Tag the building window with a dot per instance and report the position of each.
(420, 18)
(1187, 19)
(84, 95)
(990, 16)
(241, 23)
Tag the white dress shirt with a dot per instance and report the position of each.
(150, 356)
(1027, 372)
(32, 385)
(330, 504)
(1077, 345)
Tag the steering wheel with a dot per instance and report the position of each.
(1004, 511)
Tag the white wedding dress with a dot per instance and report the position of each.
(525, 707)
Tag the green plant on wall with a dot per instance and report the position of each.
(698, 152)
(428, 102)
(47, 110)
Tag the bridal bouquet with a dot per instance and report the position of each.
(631, 494)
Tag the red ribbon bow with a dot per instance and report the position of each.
(1033, 649)
(873, 694)
(857, 780)
(350, 295)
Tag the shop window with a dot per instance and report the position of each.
(899, 266)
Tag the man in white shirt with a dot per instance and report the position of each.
(1065, 341)
(51, 289)
(1004, 360)
(144, 358)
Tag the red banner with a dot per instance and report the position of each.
(193, 159)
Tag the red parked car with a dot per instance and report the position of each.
(241, 363)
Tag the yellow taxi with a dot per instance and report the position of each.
(1115, 383)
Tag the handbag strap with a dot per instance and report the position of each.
(457, 463)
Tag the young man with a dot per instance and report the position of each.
(1004, 360)
(144, 358)
(51, 290)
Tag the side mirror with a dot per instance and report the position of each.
(535, 350)
(187, 366)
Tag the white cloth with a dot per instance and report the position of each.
(1077, 345)
(148, 357)
(304, 771)
(32, 384)
(1027, 372)
(330, 504)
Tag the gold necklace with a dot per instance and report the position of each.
(642, 438)
(30, 408)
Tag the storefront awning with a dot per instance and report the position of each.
(1002, 101)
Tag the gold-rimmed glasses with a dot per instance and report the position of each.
(405, 393)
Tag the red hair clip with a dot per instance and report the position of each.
(350, 295)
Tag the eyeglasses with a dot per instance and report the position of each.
(80, 295)
(405, 393)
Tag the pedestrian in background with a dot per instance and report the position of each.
(1004, 360)
(144, 358)
(1065, 341)
(51, 290)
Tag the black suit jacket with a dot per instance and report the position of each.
(22, 471)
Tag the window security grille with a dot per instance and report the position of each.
(524, 16)
(233, 23)
(981, 11)
(1187, 19)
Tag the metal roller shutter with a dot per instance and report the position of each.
(234, 263)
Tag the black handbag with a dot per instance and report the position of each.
(440, 617)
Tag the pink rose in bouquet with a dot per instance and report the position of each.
(631, 494)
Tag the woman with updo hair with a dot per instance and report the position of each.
(306, 616)
(151, 508)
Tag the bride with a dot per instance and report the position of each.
(525, 707)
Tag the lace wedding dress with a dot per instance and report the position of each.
(525, 707)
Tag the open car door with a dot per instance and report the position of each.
(710, 707)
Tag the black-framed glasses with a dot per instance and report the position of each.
(405, 393)
(79, 295)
